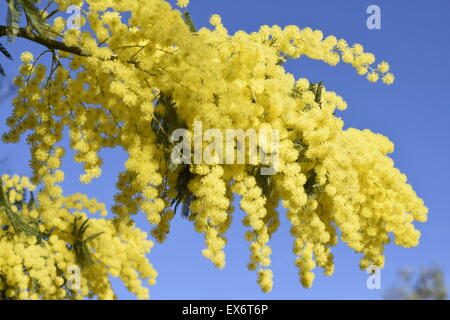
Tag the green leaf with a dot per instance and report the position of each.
(317, 89)
(82, 252)
(184, 195)
(31, 12)
(13, 17)
(34, 16)
(32, 203)
(186, 207)
(5, 52)
(188, 20)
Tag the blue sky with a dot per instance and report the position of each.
(414, 113)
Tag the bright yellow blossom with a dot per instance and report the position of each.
(26, 57)
(128, 83)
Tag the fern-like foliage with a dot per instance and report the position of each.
(317, 89)
(13, 17)
(188, 20)
(184, 195)
(82, 253)
(32, 14)
(34, 18)
(165, 121)
(20, 224)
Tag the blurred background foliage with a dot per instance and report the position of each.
(426, 284)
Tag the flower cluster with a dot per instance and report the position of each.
(133, 80)
(69, 256)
